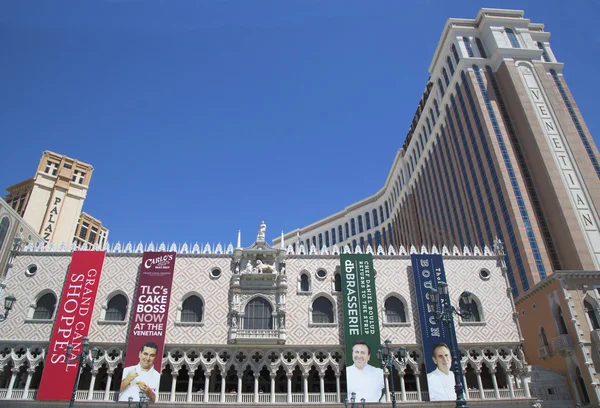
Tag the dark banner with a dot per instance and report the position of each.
(361, 328)
(71, 325)
(146, 339)
(428, 270)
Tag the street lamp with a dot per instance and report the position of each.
(386, 358)
(444, 313)
(142, 403)
(8, 305)
(353, 403)
(85, 348)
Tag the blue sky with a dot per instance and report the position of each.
(205, 117)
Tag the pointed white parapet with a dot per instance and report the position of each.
(239, 240)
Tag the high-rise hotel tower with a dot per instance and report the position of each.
(497, 148)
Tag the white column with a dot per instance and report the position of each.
(207, 384)
(108, 382)
(322, 386)
(223, 380)
(190, 384)
(418, 379)
(479, 383)
(386, 382)
(92, 382)
(305, 386)
(338, 392)
(30, 372)
(239, 390)
(511, 389)
(465, 386)
(402, 386)
(525, 382)
(11, 385)
(289, 386)
(256, 376)
(496, 391)
(173, 385)
(273, 375)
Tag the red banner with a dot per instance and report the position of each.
(71, 325)
(147, 332)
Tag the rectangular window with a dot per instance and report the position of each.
(93, 234)
(78, 177)
(67, 166)
(83, 230)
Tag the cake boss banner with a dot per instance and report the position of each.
(146, 339)
(71, 325)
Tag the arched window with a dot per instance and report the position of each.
(381, 213)
(377, 239)
(116, 309)
(320, 241)
(560, 322)
(474, 306)
(333, 238)
(370, 239)
(341, 233)
(327, 239)
(468, 46)
(368, 220)
(4, 224)
(192, 310)
(375, 219)
(437, 108)
(304, 283)
(353, 226)
(455, 53)
(441, 87)
(360, 224)
(347, 231)
(395, 311)
(480, 48)
(322, 310)
(44, 308)
(337, 284)
(543, 337)
(450, 65)
(362, 243)
(544, 53)
(258, 315)
(445, 74)
(514, 41)
(591, 313)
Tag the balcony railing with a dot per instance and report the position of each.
(544, 352)
(595, 334)
(246, 398)
(562, 343)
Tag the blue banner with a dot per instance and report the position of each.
(437, 340)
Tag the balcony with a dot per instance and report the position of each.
(595, 335)
(263, 336)
(563, 344)
(544, 352)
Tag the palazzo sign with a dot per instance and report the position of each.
(49, 225)
(71, 325)
(148, 326)
(361, 328)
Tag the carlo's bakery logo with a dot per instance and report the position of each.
(161, 262)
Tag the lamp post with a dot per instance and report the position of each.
(142, 403)
(444, 313)
(352, 401)
(9, 301)
(70, 357)
(386, 358)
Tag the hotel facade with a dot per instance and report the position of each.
(497, 155)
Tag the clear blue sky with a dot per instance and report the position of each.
(205, 117)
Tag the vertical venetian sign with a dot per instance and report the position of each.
(147, 331)
(361, 328)
(428, 270)
(71, 325)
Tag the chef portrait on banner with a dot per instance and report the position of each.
(364, 379)
(441, 380)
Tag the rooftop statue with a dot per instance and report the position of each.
(261, 231)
